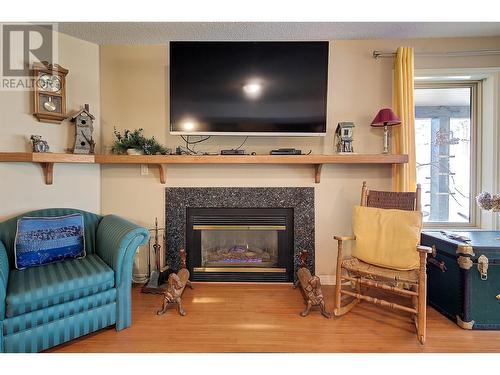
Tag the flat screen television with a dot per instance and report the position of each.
(248, 88)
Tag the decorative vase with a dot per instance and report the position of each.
(135, 151)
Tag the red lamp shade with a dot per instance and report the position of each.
(386, 117)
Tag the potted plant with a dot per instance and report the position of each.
(134, 143)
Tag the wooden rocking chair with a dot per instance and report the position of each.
(362, 275)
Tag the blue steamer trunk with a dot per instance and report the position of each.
(464, 278)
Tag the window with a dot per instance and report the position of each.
(444, 134)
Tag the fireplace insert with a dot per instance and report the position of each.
(240, 244)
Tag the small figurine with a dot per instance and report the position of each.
(310, 287)
(84, 142)
(38, 144)
(175, 286)
(343, 136)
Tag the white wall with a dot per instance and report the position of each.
(22, 186)
(134, 82)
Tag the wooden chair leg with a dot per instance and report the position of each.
(338, 309)
(346, 308)
(422, 299)
(338, 279)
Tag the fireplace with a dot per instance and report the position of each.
(240, 244)
(240, 233)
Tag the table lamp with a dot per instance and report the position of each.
(386, 117)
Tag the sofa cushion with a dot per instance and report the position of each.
(43, 240)
(8, 228)
(39, 287)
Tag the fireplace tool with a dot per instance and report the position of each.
(157, 276)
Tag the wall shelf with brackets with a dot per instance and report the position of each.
(47, 160)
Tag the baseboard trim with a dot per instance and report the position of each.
(327, 279)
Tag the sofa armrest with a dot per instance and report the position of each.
(116, 243)
(4, 278)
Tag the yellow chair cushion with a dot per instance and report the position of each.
(386, 238)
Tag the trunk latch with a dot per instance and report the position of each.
(482, 267)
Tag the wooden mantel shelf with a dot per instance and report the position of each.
(46, 157)
(253, 159)
(47, 160)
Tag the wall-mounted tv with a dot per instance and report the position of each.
(248, 88)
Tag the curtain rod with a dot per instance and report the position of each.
(483, 52)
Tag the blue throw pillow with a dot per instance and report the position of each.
(42, 240)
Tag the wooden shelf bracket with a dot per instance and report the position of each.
(317, 173)
(163, 173)
(48, 172)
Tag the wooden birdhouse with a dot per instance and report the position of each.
(344, 137)
(84, 142)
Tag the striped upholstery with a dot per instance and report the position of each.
(114, 237)
(61, 330)
(45, 306)
(44, 316)
(4, 277)
(40, 287)
(117, 242)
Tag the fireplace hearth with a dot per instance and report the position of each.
(240, 234)
(240, 244)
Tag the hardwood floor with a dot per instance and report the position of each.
(265, 318)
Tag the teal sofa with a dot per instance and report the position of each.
(44, 306)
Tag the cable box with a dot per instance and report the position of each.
(286, 151)
(232, 152)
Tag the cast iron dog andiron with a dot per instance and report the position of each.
(310, 287)
(175, 286)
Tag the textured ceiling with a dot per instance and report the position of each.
(162, 32)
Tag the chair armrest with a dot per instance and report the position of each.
(424, 249)
(4, 278)
(340, 246)
(344, 238)
(117, 241)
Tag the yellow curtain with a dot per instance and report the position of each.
(404, 176)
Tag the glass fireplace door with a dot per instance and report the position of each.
(240, 244)
(237, 247)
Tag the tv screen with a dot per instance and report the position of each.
(256, 88)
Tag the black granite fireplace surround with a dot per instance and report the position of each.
(300, 199)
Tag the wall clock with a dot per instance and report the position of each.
(49, 92)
